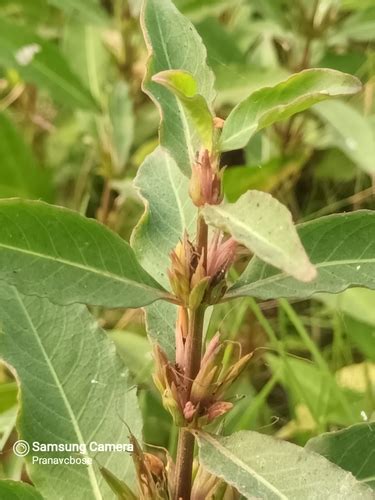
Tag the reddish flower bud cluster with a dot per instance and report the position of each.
(204, 403)
(205, 182)
(196, 279)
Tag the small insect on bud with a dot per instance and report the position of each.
(205, 182)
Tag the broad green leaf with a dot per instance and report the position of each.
(19, 173)
(183, 85)
(169, 213)
(163, 27)
(271, 104)
(73, 389)
(41, 63)
(352, 133)
(260, 466)
(54, 252)
(265, 226)
(352, 449)
(122, 124)
(87, 11)
(342, 248)
(15, 490)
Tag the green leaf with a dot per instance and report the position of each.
(263, 176)
(355, 302)
(163, 26)
(352, 449)
(271, 104)
(169, 213)
(135, 350)
(120, 488)
(15, 490)
(88, 11)
(309, 384)
(83, 46)
(342, 248)
(352, 133)
(19, 173)
(161, 320)
(260, 466)
(122, 124)
(265, 226)
(73, 389)
(54, 252)
(221, 44)
(183, 85)
(41, 63)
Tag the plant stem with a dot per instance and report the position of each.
(186, 441)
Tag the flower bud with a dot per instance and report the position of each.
(205, 182)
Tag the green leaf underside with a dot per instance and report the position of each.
(73, 389)
(265, 226)
(342, 248)
(352, 449)
(260, 466)
(184, 87)
(56, 253)
(161, 320)
(271, 104)
(163, 26)
(169, 213)
(44, 66)
(352, 133)
(16, 490)
(19, 173)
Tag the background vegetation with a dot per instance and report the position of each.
(75, 126)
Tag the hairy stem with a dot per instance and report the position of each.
(186, 441)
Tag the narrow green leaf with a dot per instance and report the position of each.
(352, 133)
(271, 104)
(162, 25)
(88, 11)
(122, 124)
(15, 490)
(123, 492)
(73, 389)
(54, 252)
(352, 449)
(265, 226)
(169, 212)
(19, 173)
(83, 47)
(183, 85)
(41, 63)
(135, 350)
(260, 466)
(342, 248)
